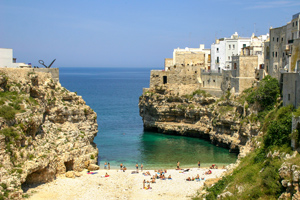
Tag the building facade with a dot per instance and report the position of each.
(7, 60)
(223, 50)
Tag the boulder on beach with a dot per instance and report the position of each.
(93, 167)
(70, 174)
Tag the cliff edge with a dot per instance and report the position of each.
(45, 130)
(224, 122)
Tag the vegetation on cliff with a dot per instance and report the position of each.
(45, 130)
(262, 174)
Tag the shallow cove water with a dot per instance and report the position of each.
(113, 93)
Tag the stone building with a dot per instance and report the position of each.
(8, 61)
(282, 59)
(192, 57)
(281, 47)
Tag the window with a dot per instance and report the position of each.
(282, 54)
(228, 57)
(244, 45)
(281, 39)
(273, 54)
(273, 39)
(165, 79)
(276, 67)
(296, 23)
(293, 24)
(229, 47)
(217, 50)
(218, 59)
(233, 46)
(277, 39)
(276, 54)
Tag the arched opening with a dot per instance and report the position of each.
(37, 178)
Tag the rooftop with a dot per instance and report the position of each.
(296, 15)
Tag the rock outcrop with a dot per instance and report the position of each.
(224, 122)
(45, 130)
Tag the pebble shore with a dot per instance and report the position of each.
(123, 185)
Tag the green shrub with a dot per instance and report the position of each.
(279, 129)
(201, 93)
(7, 112)
(92, 157)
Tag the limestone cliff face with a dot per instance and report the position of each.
(224, 122)
(45, 130)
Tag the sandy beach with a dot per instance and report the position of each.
(123, 185)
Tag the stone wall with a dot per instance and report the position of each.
(211, 80)
(295, 57)
(182, 76)
(291, 89)
(168, 63)
(53, 71)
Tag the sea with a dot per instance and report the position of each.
(113, 93)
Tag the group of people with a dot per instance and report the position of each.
(106, 165)
(159, 174)
(178, 165)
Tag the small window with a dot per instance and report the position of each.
(217, 50)
(229, 47)
(275, 67)
(281, 39)
(233, 46)
(273, 54)
(293, 24)
(296, 23)
(244, 45)
(276, 54)
(273, 39)
(228, 57)
(277, 39)
(165, 80)
(214, 81)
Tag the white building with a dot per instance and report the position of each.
(7, 60)
(218, 55)
(223, 50)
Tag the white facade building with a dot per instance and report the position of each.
(218, 55)
(223, 50)
(7, 60)
(227, 47)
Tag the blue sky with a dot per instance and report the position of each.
(128, 33)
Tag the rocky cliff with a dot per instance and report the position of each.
(224, 122)
(45, 130)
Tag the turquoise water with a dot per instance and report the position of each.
(114, 95)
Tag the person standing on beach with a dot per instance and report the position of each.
(198, 164)
(137, 167)
(142, 166)
(178, 163)
(121, 166)
(108, 166)
(105, 165)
